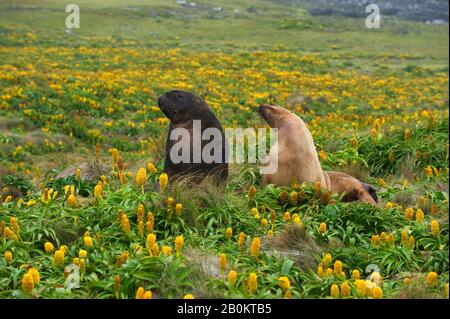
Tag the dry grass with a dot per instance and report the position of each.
(294, 241)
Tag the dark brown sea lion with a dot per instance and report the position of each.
(196, 141)
(298, 160)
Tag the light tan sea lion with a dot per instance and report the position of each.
(298, 161)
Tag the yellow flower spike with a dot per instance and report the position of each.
(163, 181)
(115, 155)
(345, 290)
(409, 213)
(223, 262)
(264, 222)
(148, 295)
(446, 291)
(152, 169)
(320, 271)
(78, 174)
(31, 203)
(361, 287)
(431, 279)
(334, 291)
(188, 296)
(8, 256)
(141, 228)
(179, 242)
(140, 211)
(58, 258)
(254, 211)
(48, 247)
(419, 216)
(253, 282)
(294, 198)
(76, 261)
(434, 228)
(27, 283)
(229, 232)
(337, 270)
(241, 240)
(255, 247)
(232, 277)
(141, 178)
(355, 274)
(140, 293)
(155, 249)
(72, 200)
(428, 171)
(328, 258)
(178, 209)
(98, 192)
(88, 241)
(377, 293)
(166, 250)
(251, 192)
(406, 281)
(411, 242)
(322, 228)
(82, 253)
(284, 282)
(116, 284)
(36, 276)
(287, 217)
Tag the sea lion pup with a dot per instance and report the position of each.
(195, 145)
(298, 160)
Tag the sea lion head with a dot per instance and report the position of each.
(273, 114)
(181, 106)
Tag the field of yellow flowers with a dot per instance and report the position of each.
(102, 231)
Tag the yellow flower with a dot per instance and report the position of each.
(232, 277)
(188, 296)
(78, 174)
(152, 168)
(287, 217)
(251, 192)
(264, 222)
(328, 258)
(345, 289)
(179, 242)
(446, 290)
(320, 271)
(166, 250)
(284, 282)
(294, 198)
(98, 191)
(361, 286)
(48, 247)
(419, 216)
(148, 295)
(35, 273)
(8, 256)
(253, 282)
(431, 279)
(141, 177)
(409, 212)
(87, 241)
(411, 242)
(355, 274)
(317, 187)
(406, 281)
(407, 134)
(223, 262)
(322, 228)
(58, 257)
(72, 200)
(116, 282)
(140, 293)
(377, 293)
(255, 247)
(178, 209)
(241, 240)
(229, 232)
(337, 267)
(31, 202)
(27, 283)
(435, 228)
(82, 253)
(163, 181)
(335, 291)
(428, 171)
